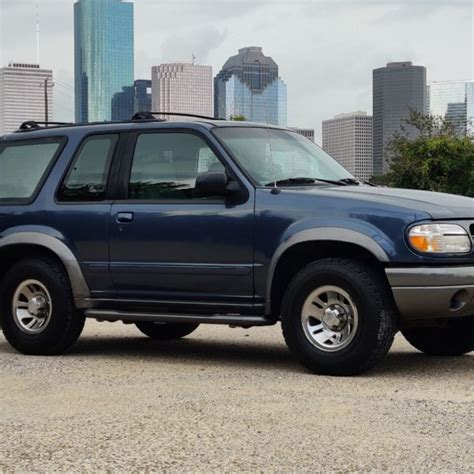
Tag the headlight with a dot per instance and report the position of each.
(439, 238)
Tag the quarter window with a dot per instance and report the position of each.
(87, 179)
(23, 166)
(165, 166)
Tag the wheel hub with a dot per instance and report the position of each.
(32, 307)
(37, 306)
(329, 318)
(335, 317)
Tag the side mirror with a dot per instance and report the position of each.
(211, 183)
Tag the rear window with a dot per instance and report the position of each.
(23, 166)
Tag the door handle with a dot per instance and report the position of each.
(124, 217)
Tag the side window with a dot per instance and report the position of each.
(23, 166)
(87, 178)
(165, 166)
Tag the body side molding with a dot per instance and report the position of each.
(334, 234)
(79, 286)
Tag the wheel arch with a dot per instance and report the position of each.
(313, 244)
(17, 245)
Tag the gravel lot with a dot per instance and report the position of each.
(229, 400)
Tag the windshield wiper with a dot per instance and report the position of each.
(302, 180)
(350, 181)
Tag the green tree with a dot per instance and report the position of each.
(238, 118)
(437, 160)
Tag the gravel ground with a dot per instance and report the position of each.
(229, 400)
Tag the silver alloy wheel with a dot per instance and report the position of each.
(32, 307)
(329, 318)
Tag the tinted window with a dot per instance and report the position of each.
(87, 179)
(22, 166)
(165, 165)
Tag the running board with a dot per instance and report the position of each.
(230, 319)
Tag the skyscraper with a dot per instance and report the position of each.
(453, 100)
(136, 98)
(142, 97)
(26, 91)
(103, 55)
(249, 85)
(397, 88)
(183, 88)
(348, 139)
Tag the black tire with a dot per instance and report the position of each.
(65, 322)
(166, 331)
(456, 339)
(376, 317)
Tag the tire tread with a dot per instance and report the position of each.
(381, 300)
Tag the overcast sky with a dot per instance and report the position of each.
(326, 50)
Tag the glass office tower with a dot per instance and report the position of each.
(453, 100)
(103, 55)
(249, 85)
(131, 100)
(397, 88)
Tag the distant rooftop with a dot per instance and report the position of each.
(24, 65)
(400, 64)
(357, 113)
(458, 81)
(248, 55)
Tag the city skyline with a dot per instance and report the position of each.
(320, 85)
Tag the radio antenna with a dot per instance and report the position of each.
(37, 34)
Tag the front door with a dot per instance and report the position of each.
(170, 248)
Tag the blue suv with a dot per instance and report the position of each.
(171, 224)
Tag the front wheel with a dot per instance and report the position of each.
(338, 317)
(455, 339)
(165, 331)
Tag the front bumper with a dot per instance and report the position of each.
(431, 293)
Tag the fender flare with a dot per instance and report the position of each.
(334, 234)
(80, 289)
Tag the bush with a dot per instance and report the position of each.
(437, 160)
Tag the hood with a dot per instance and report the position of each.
(438, 205)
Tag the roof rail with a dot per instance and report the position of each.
(151, 116)
(34, 125)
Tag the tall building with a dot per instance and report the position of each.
(26, 91)
(103, 56)
(132, 99)
(348, 139)
(397, 88)
(306, 132)
(453, 100)
(249, 85)
(122, 104)
(181, 88)
(142, 95)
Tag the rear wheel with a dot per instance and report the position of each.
(37, 308)
(166, 331)
(456, 339)
(337, 317)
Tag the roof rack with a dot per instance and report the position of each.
(151, 116)
(34, 125)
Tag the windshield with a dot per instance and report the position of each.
(272, 155)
